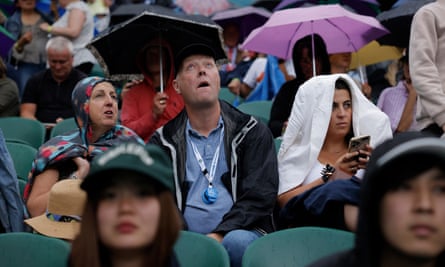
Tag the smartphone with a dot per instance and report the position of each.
(358, 143)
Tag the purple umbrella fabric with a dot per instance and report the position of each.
(363, 7)
(247, 18)
(6, 41)
(342, 30)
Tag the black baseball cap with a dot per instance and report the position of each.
(193, 49)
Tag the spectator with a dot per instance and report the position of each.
(254, 75)
(11, 205)
(231, 37)
(28, 54)
(224, 160)
(340, 63)
(101, 12)
(302, 55)
(402, 207)
(47, 95)
(399, 102)
(94, 102)
(427, 66)
(145, 107)
(76, 24)
(9, 94)
(130, 218)
(63, 216)
(319, 177)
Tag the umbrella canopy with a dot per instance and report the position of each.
(363, 7)
(247, 18)
(267, 4)
(116, 49)
(373, 53)
(6, 41)
(205, 8)
(342, 30)
(398, 21)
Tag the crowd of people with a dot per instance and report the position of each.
(166, 154)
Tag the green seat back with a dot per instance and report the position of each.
(226, 95)
(296, 247)
(22, 130)
(21, 249)
(198, 250)
(63, 127)
(97, 71)
(22, 156)
(258, 109)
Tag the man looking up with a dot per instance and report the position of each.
(225, 164)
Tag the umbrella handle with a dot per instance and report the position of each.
(314, 72)
(161, 70)
(362, 73)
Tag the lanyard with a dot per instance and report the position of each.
(209, 176)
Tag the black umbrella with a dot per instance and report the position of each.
(398, 21)
(116, 49)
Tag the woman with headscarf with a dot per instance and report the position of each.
(319, 176)
(94, 101)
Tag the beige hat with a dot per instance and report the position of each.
(65, 207)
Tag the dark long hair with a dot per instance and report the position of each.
(376, 183)
(320, 53)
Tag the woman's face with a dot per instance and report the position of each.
(153, 55)
(26, 4)
(103, 109)
(341, 116)
(128, 216)
(412, 216)
(307, 66)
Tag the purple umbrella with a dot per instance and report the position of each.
(6, 41)
(342, 30)
(363, 7)
(247, 18)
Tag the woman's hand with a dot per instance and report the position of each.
(83, 167)
(348, 164)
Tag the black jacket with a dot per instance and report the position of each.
(252, 161)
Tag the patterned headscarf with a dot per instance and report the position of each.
(75, 143)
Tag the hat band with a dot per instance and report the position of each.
(62, 218)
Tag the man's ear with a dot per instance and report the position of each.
(176, 86)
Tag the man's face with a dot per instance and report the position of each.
(412, 216)
(198, 81)
(341, 60)
(60, 63)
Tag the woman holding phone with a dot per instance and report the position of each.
(319, 175)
